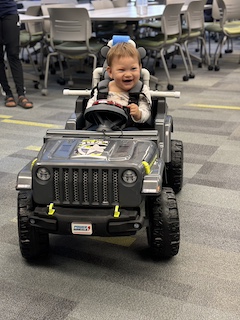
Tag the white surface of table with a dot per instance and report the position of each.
(27, 18)
(128, 13)
(122, 13)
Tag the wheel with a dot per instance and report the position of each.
(170, 87)
(106, 115)
(61, 81)
(200, 65)
(33, 242)
(216, 68)
(174, 66)
(210, 68)
(185, 78)
(70, 83)
(44, 92)
(163, 231)
(37, 85)
(173, 176)
(191, 75)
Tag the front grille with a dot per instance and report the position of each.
(85, 186)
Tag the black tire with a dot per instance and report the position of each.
(173, 176)
(33, 242)
(163, 231)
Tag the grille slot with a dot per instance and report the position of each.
(86, 186)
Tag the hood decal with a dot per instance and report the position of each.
(91, 147)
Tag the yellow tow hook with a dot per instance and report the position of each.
(51, 210)
(116, 212)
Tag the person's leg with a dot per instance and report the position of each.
(3, 78)
(10, 31)
(11, 28)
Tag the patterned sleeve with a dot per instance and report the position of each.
(92, 99)
(144, 105)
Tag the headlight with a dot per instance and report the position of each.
(129, 176)
(43, 174)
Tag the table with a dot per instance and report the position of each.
(27, 18)
(126, 13)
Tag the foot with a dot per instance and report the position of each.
(24, 102)
(10, 102)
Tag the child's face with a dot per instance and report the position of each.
(125, 71)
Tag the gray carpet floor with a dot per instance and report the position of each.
(89, 278)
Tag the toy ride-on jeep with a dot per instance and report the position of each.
(105, 182)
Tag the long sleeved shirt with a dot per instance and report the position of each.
(122, 98)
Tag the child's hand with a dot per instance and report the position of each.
(134, 111)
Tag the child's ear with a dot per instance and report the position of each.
(109, 71)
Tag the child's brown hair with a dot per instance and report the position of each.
(122, 49)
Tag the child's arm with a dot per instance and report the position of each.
(142, 112)
(92, 99)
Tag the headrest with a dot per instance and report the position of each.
(121, 38)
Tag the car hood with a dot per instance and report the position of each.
(92, 150)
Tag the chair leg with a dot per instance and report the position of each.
(191, 74)
(218, 51)
(44, 90)
(169, 86)
(187, 75)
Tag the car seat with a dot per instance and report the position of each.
(159, 107)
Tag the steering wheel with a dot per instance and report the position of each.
(107, 115)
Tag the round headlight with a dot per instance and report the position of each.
(129, 176)
(43, 174)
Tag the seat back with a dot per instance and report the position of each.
(230, 10)
(34, 27)
(195, 15)
(215, 11)
(69, 2)
(102, 4)
(45, 12)
(69, 24)
(120, 3)
(171, 20)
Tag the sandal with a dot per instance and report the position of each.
(10, 102)
(24, 102)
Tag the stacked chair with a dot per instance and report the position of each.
(167, 37)
(229, 23)
(193, 30)
(70, 38)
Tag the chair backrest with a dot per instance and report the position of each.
(69, 24)
(195, 15)
(215, 11)
(34, 27)
(67, 2)
(230, 10)
(102, 4)
(120, 3)
(171, 19)
(45, 12)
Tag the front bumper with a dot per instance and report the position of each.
(102, 220)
